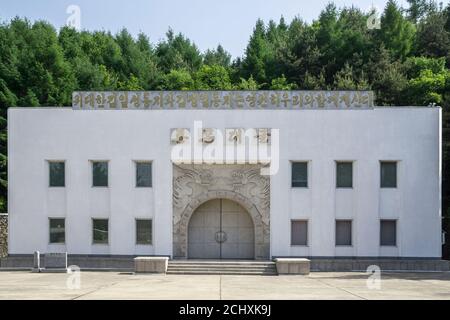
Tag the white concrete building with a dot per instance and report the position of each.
(352, 180)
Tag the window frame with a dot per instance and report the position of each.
(396, 233)
(92, 174)
(136, 231)
(306, 162)
(49, 162)
(49, 231)
(136, 163)
(337, 162)
(92, 232)
(335, 232)
(396, 173)
(307, 232)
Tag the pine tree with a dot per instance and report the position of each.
(256, 55)
(396, 33)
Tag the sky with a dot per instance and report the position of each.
(206, 22)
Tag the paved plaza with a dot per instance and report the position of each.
(324, 285)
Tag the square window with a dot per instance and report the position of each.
(57, 229)
(99, 173)
(57, 174)
(388, 174)
(299, 232)
(344, 174)
(100, 231)
(388, 232)
(300, 175)
(144, 231)
(343, 232)
(143, 174)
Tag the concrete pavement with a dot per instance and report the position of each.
(323, 285)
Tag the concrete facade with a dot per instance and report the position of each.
(409, 135)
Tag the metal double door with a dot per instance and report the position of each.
(221, 229)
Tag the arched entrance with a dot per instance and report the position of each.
(193, 185)
(221, 229)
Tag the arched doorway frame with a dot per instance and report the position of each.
(193, 185)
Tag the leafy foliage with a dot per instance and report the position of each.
(396, 33)
(213, 77)
(177, 80)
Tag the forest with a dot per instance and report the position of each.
(405, 61)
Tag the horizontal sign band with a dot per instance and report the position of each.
(222, 100)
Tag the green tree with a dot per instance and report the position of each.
(414, 65)
(131, 84)
(281, 83)
(249, 84)
(387, 78)
(343, 37)
(303, 60)
(257, 53)
(278, 61)
(7, 99)
(217, 57)
(313, 82)
(346, 79)
(418, 9)
(213, 77)
(177, 52)
(428, 81)
(396, 33)
(45, 74)
(137, 59)
(177, 80)
(433, 40)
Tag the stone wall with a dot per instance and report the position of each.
(3, 235)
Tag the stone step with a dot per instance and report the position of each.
(222, 267)
(218, 266)
(240, 273)
(246, 263)
(223, 272)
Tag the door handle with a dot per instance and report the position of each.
(221, 236)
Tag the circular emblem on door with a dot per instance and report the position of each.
(221, 236)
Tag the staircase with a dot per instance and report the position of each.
(222, 267)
